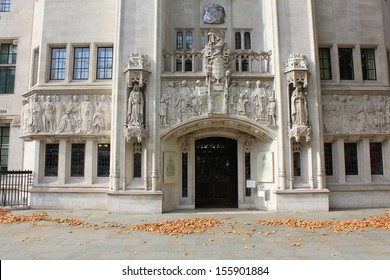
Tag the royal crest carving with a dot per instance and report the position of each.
(213, 14)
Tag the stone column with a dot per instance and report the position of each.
(90, 158)
(63, 166)
(117, 105)
(365, 163)
(340, 168)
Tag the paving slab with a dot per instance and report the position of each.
(240, 237)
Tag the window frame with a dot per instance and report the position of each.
(77, 160)
(328, 158)
(103, 161)
(50, 158)
(4, 147)
(5, 5)
(325, 70)
(104, 60)
(367, 69)
(81, 64)
(58, 60)
(346, 64)
(376, 158)
(8, 67)
(351, 159)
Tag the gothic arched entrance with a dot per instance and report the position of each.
(216, 183)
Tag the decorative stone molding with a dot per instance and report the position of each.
(213, 14)
(135, 132)
(137, 70)
(46, 114)
(297, 69)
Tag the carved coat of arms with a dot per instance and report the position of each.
(213, 13)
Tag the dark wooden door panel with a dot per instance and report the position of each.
(216, 173)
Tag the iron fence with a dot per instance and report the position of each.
(14, 187)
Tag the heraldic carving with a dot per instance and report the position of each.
(214, 13)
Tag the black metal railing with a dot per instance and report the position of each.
(14, 187)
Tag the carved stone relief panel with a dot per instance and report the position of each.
(66, 114)
(356, 114)
(184, 100)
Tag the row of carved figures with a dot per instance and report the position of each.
(183, 100)
(68, 114)
(363, 113)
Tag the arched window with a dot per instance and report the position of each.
(189, 40)
(247, 40)
(188, 65)
(237, 40)
(179, 65)
(245, 65)
(179, 40)
(137, 164)
(297, 164)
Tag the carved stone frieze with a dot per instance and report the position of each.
(44, 114)
(184, 100)
(356, 114)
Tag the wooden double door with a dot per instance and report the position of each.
(216, 173)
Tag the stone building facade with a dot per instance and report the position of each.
(151, 106)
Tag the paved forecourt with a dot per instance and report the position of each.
(239, 237)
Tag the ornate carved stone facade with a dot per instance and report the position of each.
(271, 80)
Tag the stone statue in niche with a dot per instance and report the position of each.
(243, 100)
(213, 13)
(135, 109)
(299, 112)
(49, 115)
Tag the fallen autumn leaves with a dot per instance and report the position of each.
(179, 227)
(6, 218)
(379, 222)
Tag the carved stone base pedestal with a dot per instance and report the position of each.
(302, 200)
